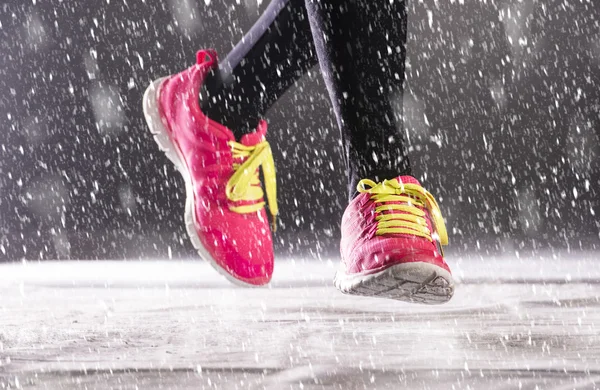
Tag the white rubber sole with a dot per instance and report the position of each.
(410, 282)
(171, 150)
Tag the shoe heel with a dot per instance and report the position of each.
(156, 126)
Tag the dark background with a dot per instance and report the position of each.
(502, 116)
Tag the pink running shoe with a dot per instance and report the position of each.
(392, 237)
(224, 212)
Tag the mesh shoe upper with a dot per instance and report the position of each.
(235, 230)
(391, 223)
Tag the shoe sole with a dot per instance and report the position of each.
(171, 150)
(417, 282)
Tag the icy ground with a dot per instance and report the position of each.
(530, 323)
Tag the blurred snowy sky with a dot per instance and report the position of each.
(502, 115)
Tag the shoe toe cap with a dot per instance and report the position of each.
(243, 251)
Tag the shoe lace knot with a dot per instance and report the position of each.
(399, 209)
(244, 185)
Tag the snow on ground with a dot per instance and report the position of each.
(513, 323)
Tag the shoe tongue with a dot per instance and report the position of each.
(408, 180)
(257, 136)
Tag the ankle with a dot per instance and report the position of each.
(217, 103)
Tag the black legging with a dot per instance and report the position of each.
(360, 46)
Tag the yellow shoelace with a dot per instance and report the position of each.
(244, 184)
(412, 220)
